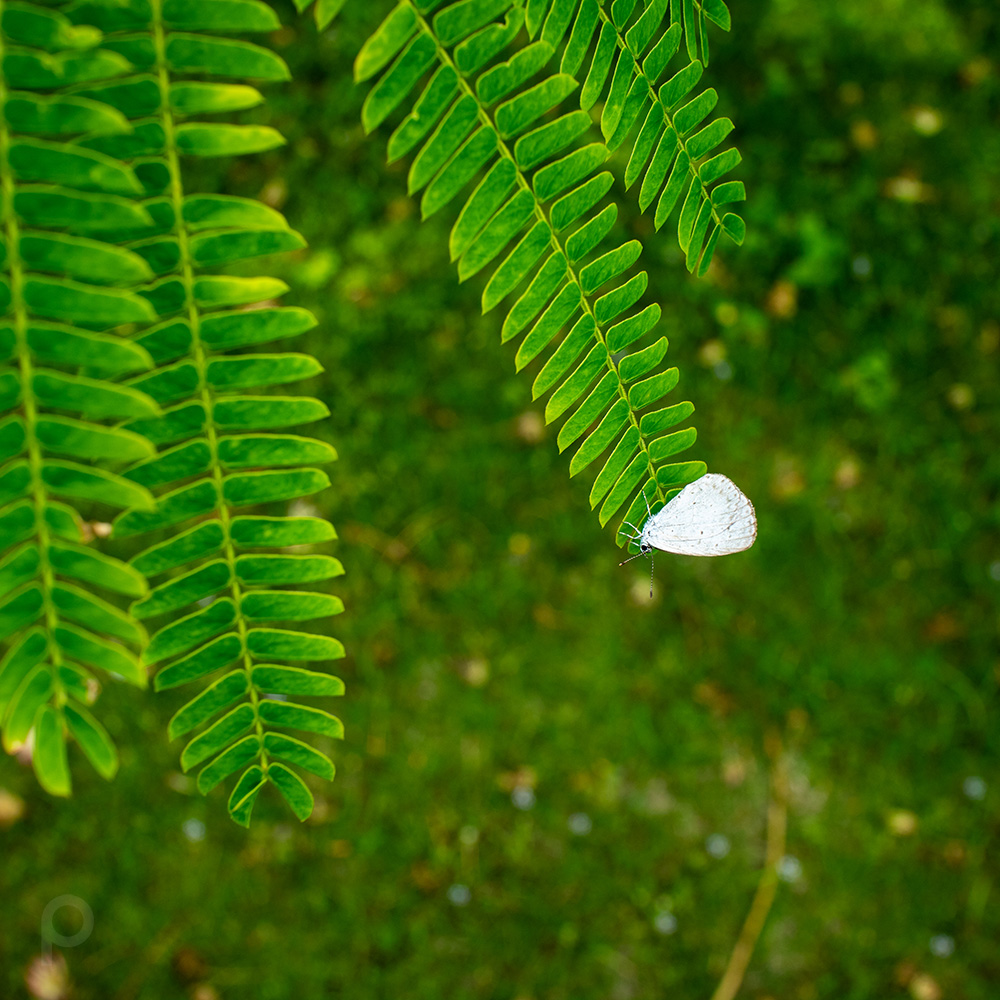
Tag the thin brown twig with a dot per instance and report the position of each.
(777, 823)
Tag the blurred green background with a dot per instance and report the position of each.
(551, 787)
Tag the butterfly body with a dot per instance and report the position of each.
(709, 517)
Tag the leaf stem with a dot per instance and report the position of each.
(200, 354)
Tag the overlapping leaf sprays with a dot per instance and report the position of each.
(670, 151)
(100, 231)
(537, 203)
(62, 289)
(83, 426)
(220, 572)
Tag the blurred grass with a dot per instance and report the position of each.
(845, 368)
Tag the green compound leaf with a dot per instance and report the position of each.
(68, 208)
(228, 448)
(489, 130)
(622, 52)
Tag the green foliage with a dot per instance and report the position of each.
(494, 641)
(537, 209)
(101, 238)
(216, 596)
(66, 294)
(629, 51)
(673, 146)
(324, 11)
(182, 421)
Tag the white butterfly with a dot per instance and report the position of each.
(709, 517)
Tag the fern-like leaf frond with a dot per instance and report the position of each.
(623, 57)
(536, 210)
(221, 572)
(554, 19)
(64, 290)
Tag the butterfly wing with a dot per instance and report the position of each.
(709, 517)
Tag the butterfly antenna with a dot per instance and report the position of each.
(648, 509)
(630, 558)
(651, 576)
